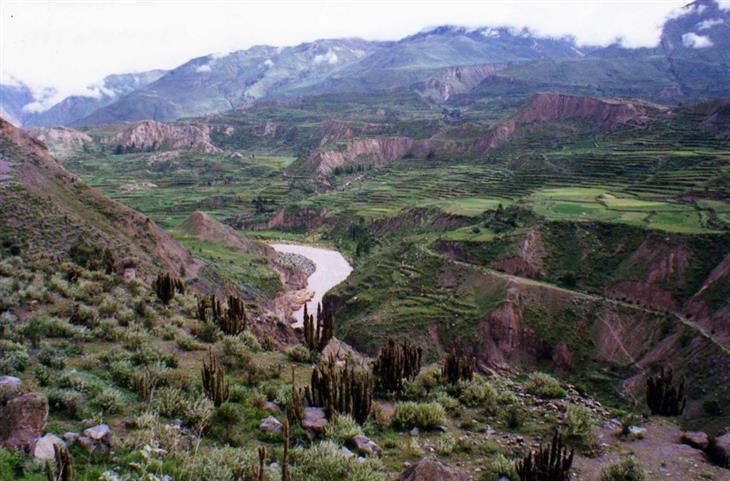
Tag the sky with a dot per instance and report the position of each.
(61, 47)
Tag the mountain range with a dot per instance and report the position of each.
(690, 63)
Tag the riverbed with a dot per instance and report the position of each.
(331, 269)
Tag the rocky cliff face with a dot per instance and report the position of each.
(376, 152)
(149, 135)
(605, 114)
(456, 80)
(62, 142)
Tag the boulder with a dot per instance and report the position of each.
(100, 432)
(271, 407)
(719, 450)
(271, 425)
(429, 469)
(314, 419)
(696, 439)
(70, 437)
(365, 446)
(92, 445)
(43, 448)
(22, 420)
(9, 387)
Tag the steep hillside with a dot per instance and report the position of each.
(149, 135)
(48, 210)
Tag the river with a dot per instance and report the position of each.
(332, 268)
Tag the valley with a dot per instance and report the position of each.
(498, 238)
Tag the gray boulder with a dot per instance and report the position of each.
(43, 448)
(429, 469)
(696, 439)
(271, 425)
(365, 446)
(314, 419)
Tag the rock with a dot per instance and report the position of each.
(346, 452)
(719, 450)
(43, 448)
(22, 420)
(314, 419)
(637, 432)
(100, 432)
(429, 469)
(9, 387)
(271, 425)
(70, 438)
(696, 439)
(365, 446)
(271, 407)
(414, 432)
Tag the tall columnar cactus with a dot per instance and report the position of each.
(214, 383)
(257, 473)
(318, 335)
(340, 390)
(295, 405)
(285, 476)
(164, 287)
(395, 363)
(550, 462)
(458, 367)
(64, 469)
(202, 310)
(234, 321)
(662, 397)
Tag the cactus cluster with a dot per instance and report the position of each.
(214, 382)
(662, 397)
(64, 470)
(285, 476)
(458, 367)
(295, 404)
(316, 336)
(396, 363)
(165, 286)
(340, 390)
(232, 320)
(550, 462)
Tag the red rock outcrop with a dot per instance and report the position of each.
(150, 135)
(456, 80)
(604, 113)
(22, 420)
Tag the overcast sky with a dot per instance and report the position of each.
(70, 45)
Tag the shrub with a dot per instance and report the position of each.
(206, 331)
(109, 401)
(514, 416)
(452, 406)
(626, 469)
(380, 416)
(544, 385)
(186, 342)
(68, 401)
(578, 426)
(326, 462)
(235, 353)
(423, 415)
(109, 330)
(41, 326)
(479, 395)
(169, 402)
(342, 428)
(250, 341)
(499, 467)
(299, 354)
(13, 357)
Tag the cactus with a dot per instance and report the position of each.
(165, 287)
(550, 462)
(317, 336)
(285, 476)
(142, 386)
(202, 311)
(214, 383)
(295, 405)
(662, 397)
(340, 391)
(64, 470)
(394, 364)
(234, 321)
(458, 367)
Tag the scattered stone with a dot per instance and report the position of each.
(636, 432)
(414, 432)
(9, 387)
(43, 448)
(70, 437)
(271, 407)
(429, 469)
(346, 452)
(271, 425)
(100, 432)
(365, 446)
(314, 419)
(22, 420)
(696, 439)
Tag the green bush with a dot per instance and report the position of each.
(626, 469)
(110, 401)
(578, 426)
(478, 394)
(235, 353)
(326, 462)
(299, 354)
(13, 357)
(514, 416)
(499, 467)
(186, 342)
(544, 385)
(342, 428)
(423, 415)
(69, 401)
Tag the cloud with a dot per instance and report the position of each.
(268, 63)
(709, 23)
(693, 40)
(723, 4)
(330, 57)
(205, 68)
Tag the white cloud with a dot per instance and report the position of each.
(70, 44)
(205, 68)
(330, 57)
(709, 23)
(693, 40)
(268, 63)
(723, 4)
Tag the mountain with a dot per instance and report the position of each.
(14, 97)
(216, 83)
(76, 107)
(48, 210)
